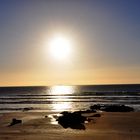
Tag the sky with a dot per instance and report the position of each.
(105, 36)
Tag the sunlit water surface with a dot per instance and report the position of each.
(67, 98)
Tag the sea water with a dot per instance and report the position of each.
(67, 98)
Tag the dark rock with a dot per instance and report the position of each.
(65, 113)
(88, 111)
(112, 108)
(27, 108)
(15, 121)
(96, 115)
(118, 108)
(78, 126)
(73, 120)
(95, 107)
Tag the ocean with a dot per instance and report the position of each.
(67, 98)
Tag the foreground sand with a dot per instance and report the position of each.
(110, 126)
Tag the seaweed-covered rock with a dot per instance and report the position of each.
(73, 120)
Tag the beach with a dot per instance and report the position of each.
(70, 70)
(117, 113)
(110, 126)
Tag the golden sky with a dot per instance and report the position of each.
(98, 42)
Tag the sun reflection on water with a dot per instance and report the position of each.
(61, 92)
(62, 106)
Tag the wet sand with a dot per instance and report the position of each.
(110, 126)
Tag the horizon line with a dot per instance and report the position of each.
(70, 85)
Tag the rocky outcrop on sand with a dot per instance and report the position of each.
(76, 120)
(111, 108)
(73, 120)
(15, 121)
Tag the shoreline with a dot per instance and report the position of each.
(111, 125)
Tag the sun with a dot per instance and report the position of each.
(60, 47)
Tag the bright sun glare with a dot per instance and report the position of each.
(61, 90)
(60, 47)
